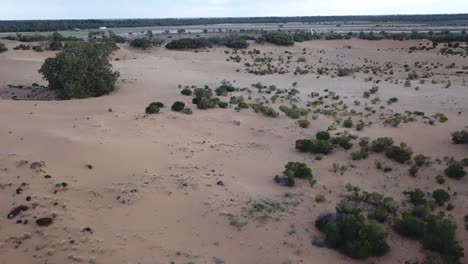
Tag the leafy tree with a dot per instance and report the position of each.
(81, 70)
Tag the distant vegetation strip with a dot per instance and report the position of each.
(55, 25)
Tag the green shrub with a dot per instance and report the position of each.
(350, 234)
(441, 196)
(178, 106)
(144, 43)
(322, 135)
(153, 108)
(400, 153)
(81, 70)
(159, 104)
(315, 146)
(186, 92)
(416, 197)
(304, 123)
(294, 112)
(455, 170)
(188, 43)
(348, 123)
(343, 141)
(266, 110)
(297, 170)
(3, 48)
(410, 226)
(380, 214)
(279, 38)
(223, 104)
(439, 236)
(420, 160)
(414, 170)
(381, 144)
(360, 154)
(460, 137)
(243, 105)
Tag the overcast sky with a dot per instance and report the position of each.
(77, 9)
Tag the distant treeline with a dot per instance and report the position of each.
(56, 25)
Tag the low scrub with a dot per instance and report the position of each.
(460, 137)
(400, 153)
(348, 232)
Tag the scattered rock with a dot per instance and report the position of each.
(17, 210)
(37, 165)
(45, 221)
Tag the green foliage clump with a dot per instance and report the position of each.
(3, 48)
(81, 70)
(460, 137)
(455, 170)
(322, 135)
(152, 108)
(420, 160)
(348, 232)
(295, 170)
(189, 43)
(414, 170)
(441, 196)
(400, 153)
(243, 105)
(343, 141)
(145, 43)
(178, 106)
(294, 112)
(266, 110)
(435, 232)
(360, 154)
(416, 197)
(223, 104)
(315, 146)
(381, 144)
(348, 123)
(186, 91)
(304, 123)
(279, 38)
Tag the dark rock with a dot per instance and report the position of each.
(17, 210)
(47, 176)
(45, 221)
(37, 165)
(28, 198)
(19, 191)
(220, 183)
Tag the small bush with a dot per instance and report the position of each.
(3, 48)
(243, 105)
(153, 108)
(178, 106)
(348, 123)
(381, 144)
(400, 153)
(297, 170)
(223, 104)
(410, 226)
(460, 137)
(322, 135)
(304, 123)
(315, 146)
(414, 170)
(186, 92)
(441, 196)
(350, 234)
(455, 170)
(420, 160)
(360, 154)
